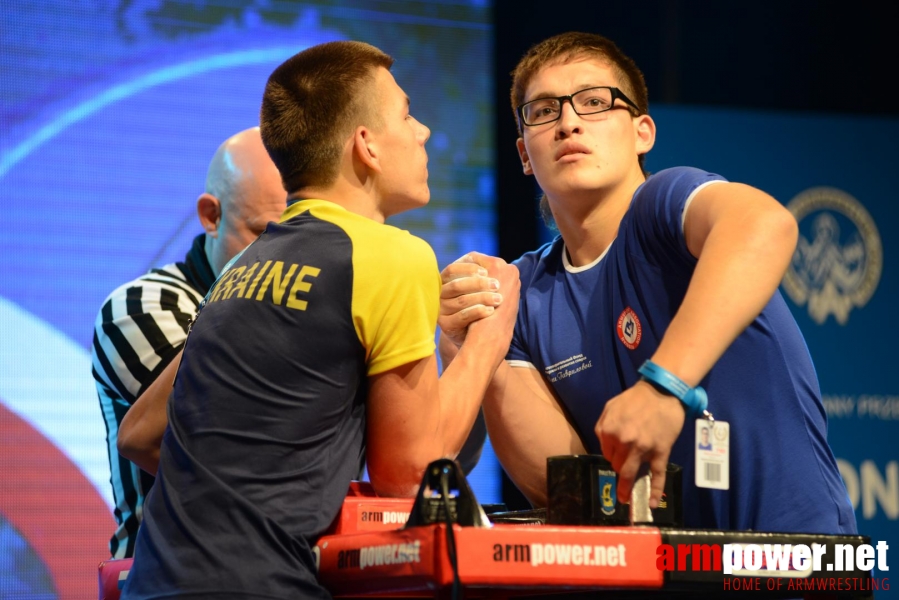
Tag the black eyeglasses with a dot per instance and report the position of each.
(585, 102)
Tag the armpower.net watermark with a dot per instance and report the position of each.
(836, 567)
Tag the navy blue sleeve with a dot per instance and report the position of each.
(518, 348)
(656, 215)
(531, 265)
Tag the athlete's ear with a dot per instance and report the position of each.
(523, 155)
(209, 210)
(366, 149)
(645, 128)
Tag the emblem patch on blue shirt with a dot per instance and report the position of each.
(629, 329)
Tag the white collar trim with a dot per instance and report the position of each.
(572, 269)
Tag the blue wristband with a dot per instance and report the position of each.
(695, 400)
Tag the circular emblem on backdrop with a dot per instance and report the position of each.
(629, 329)
(838, 258)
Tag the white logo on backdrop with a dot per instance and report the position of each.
(833, 271)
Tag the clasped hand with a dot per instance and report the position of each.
(474, 287)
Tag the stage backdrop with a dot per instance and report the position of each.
(837, 175)
(110, 113)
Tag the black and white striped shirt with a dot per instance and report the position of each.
(140, 328)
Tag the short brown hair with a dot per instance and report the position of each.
(312, 102)
(563, 48)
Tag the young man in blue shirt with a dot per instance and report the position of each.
(657, 285)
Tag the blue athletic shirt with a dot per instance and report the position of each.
(588, 329)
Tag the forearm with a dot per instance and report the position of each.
(526, 426)
(141, 430)
(447, 350)
(464, 383)
(414, 417)
(741, 264)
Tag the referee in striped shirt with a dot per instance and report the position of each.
(143, 323)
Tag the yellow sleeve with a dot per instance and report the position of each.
(396, 298)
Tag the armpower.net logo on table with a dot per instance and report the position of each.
(801, 567)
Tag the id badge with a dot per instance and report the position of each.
(712, 451)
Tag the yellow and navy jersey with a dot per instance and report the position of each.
(267, 417)
(387, 276)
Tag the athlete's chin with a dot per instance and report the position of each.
(574, 178)
(576, 185)
(423, 197)
(412, 201)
